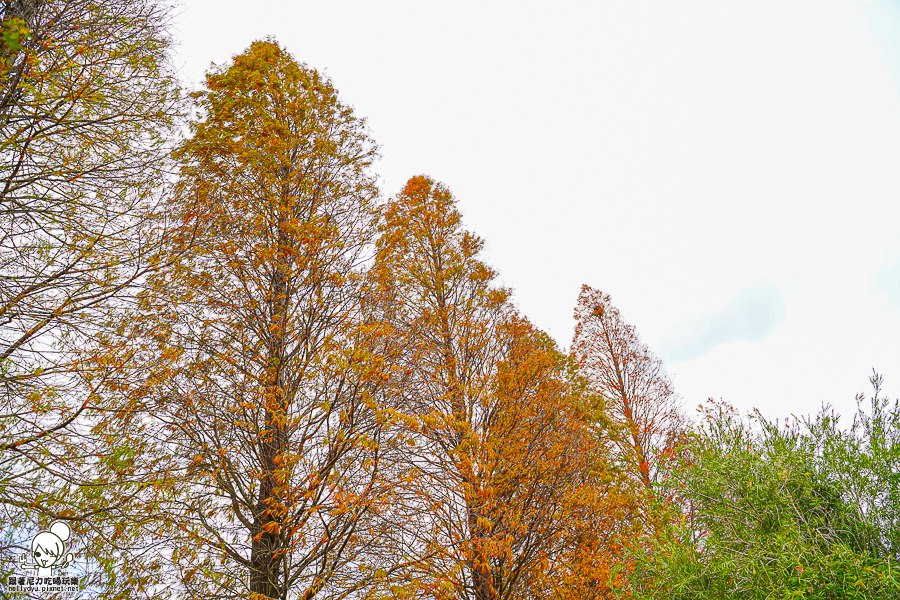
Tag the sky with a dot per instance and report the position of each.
(726, 171)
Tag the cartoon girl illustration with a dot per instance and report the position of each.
(47, 549)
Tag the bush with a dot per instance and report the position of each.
(759, 509)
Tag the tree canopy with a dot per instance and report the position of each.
(230, 367)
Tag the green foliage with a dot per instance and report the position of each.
(765, 510)
(13, 32)
(88, 111)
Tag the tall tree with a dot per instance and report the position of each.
(263, 353)
(502, 474)
(639, 396)
(88, 102)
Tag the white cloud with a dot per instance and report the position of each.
(886, 282)
(751, 316)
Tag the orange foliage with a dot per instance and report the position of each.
(638, 394)
(506, 492)
(266, 367)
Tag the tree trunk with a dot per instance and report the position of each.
(268, 543)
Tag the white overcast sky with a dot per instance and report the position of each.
(727, 171)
